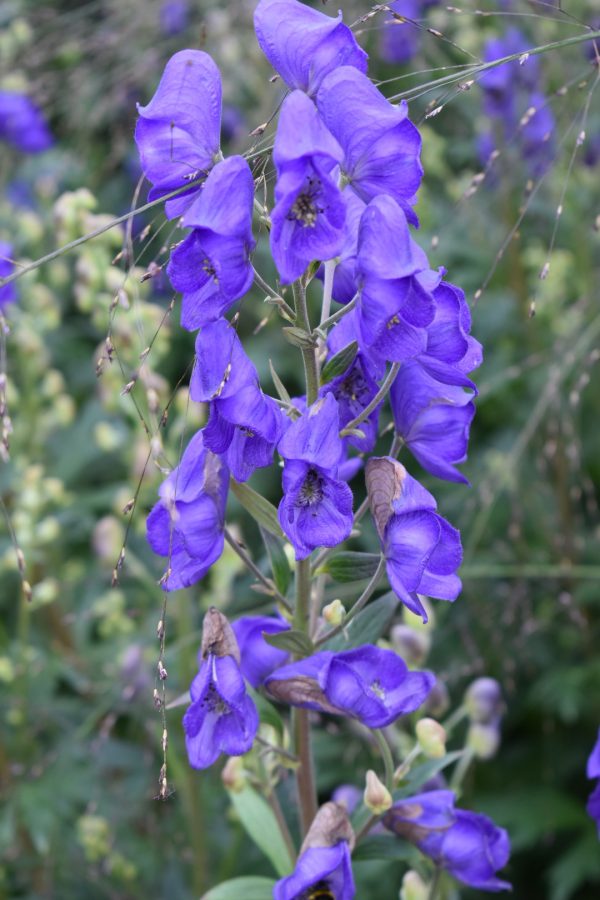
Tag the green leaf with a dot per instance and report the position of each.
(279, 385)
(267, 712)
(251, 887)
(296, 642)
(348, 566)
(259, 821)
(368, 626)
(339, 363)
(280, 567)
(382, 846)
(299, 337)
(259, 508)
(578, 866)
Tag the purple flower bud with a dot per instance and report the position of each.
(323, 868)
(222, 718)
(368, 684)
(174, 16)
(8, 293)
(186, 525)
(468, 845)
(304, 45)
(212, 267)
(309, 213)
(22, 124)
(422, 549)
(259, 659)
(177, 133)
(381, 145)
(483, 701)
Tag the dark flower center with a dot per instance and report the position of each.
(319, 891)
(208, 267)
(354, 388)
(214, 702)
(305, 210)
(311, 491)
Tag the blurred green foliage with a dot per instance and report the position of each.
(80, 738)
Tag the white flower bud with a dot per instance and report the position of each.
(334, 612)
(376, 796)
(431, 737)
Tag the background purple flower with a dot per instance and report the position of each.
(8, 293)
(22, 123)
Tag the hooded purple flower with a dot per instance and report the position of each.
(400, 41)
(22, 124)
(221, 718)
(448, 337)
(433, 414)
(8, 293)
(309, 213)
(316, 509)
(323, 868)
(372, 685)
(395, 304)
(212, 266)
(468, 845)
(593, 771)
(345, 284)
(244, 425)
(381, 145)
(422, 550)
(303, 44)
(259, 659)
(177, 133)
(187, 523)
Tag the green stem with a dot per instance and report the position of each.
(305, 780)
(255, 570)
(461, 769)
(434, 884)
(273, 801)
(309, 354)
(379, 396)
(336, 316)
(360, 603)
(386, 754)
(327, 289)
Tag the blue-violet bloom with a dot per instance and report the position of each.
(303, 45)
(593, 771)
(221, 718)
(258, 658)
(22, 123)
(212, 267)
(187, 524)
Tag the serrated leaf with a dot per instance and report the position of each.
(293, 641)
(368, 626)
(349, 566)
(299, 337)
(380, 846)
(279, 385)
(339, 363)
(259, 821)
(251, 887)
(263, 512)
(280, 566)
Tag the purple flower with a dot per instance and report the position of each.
(395, 304)
(422, 550)
(316, 509)
(221, 718)
(174, 16)
(177, 133)
(448, 338)
(433, 414)
(186, 525)
(323, 868)
(22, 124)
(468, 845)
(309, 213)
(212, 266)
(593, 771)
(8, 293)
(381, 145)
(368, 684)
(345, 283)
(401, 40)
(259, 659)
(303, 45)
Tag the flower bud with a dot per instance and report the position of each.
(412, 645)
(334, 612)
(413, 887)
(431, 737)
(438, 701)
(376, 796)
(483, 700)
(483, 739)
(232, 774)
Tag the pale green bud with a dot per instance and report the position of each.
(377, 798)
(413, 887)
(233, 775)
(483, 739)
(334, 613)
(431, 737)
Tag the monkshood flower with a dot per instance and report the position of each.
(345, 284)
(221, 718)
(309, 213)
(448, 338)
(316, 509)
(536, 133)
(22, 123)
(259, 659)
(369, 684)
(593, 771)
(304, 45)
(433, 414)
(422, 550)
(177, 133)
(468, 845)
(8, 293)
(401, 40)
(244, 425)
(501, 84)
(323, 868)
(395, 304)
(174, 16)
(186, 525)
(381, 145)
(212, 267)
